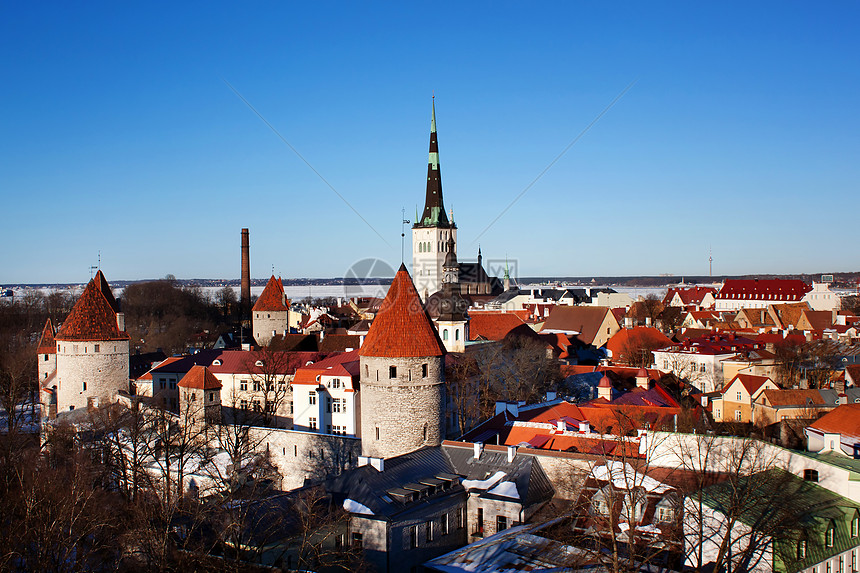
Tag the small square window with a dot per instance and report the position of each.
(392, 371)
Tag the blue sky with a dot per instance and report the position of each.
(119, 135)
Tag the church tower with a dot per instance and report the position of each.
(402, 365)
(430, 233)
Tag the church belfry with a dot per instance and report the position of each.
(431, 233)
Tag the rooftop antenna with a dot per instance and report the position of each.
(403, 222)
(710, 262)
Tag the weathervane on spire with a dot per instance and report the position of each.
(404, 221)
(96, 267)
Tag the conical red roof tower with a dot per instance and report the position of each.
(402, 327)
(94, 315)
(47, 344)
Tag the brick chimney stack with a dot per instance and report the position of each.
(246, 277)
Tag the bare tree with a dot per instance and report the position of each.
(269, 371)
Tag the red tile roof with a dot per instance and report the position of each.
(750, 382)
(47, 344)
(843, 420)
(492, 325)
(92, 317)
(402, 327)
(636, 338)
(201, 378)
(345, 364)
(272, 299)
(689, 296)
(764, 289)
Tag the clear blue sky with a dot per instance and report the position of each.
(119, 135)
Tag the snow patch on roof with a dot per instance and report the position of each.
(506, 489)
(623, 476)
(484, 483)
(353, 506)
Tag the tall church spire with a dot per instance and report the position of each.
(434, 208)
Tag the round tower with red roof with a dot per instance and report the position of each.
(92, 350)
(402, 376)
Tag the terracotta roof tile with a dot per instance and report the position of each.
(633, 339)
(47, 344)
(402, 327)
(585, 320)
(201, 378)
(764, 289)
(272, 299)
(492, 325)
(92, 317)
(345, 364)
(843, 420)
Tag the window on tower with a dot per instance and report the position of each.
(392, 371)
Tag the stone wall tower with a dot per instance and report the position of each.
(430, 233)
(92, 350)
(402, 365)
(47, 358)
(271, 312)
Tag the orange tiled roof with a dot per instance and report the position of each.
(843, 420)
(492, 325)
(638, 337)
(401, 327)
(272, 298)
(47, 344)
(201, 378)
(750, 381)
(92, 317)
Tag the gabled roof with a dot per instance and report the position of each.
(402, 327)
(750, 382)
(492, 325)
(339, 343)
(93, 317)
(47, 344)
(201, 378)
(688, 296)
(809, 397)
(585, 320)
(272, 299)
(764, 289)
(818, 319)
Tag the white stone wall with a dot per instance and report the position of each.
(47, 366)
(427, 270)
(453, 335)
(105, 372)
(267, 323)
(341, 417)
(401, 414)
(301, 456)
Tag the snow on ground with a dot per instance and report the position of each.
(484, 483)
(506, 489)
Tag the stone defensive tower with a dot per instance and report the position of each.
(430, 233)
(402, 365)
(271, 312)
(92, 349)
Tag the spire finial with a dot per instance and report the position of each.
(433, 115)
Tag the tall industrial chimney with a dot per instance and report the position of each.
(246, 277)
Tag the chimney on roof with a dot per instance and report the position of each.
(245, 297)
(560, 426)
(120, 321)
(478, 447)
(642, 379)
(585, 427)
(512, 453)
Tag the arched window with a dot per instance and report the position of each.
(444, 334)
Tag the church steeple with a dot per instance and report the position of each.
(434, 208)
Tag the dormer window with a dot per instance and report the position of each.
(801, 549)
(830, 535)
(216, 362)
(258, 363)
